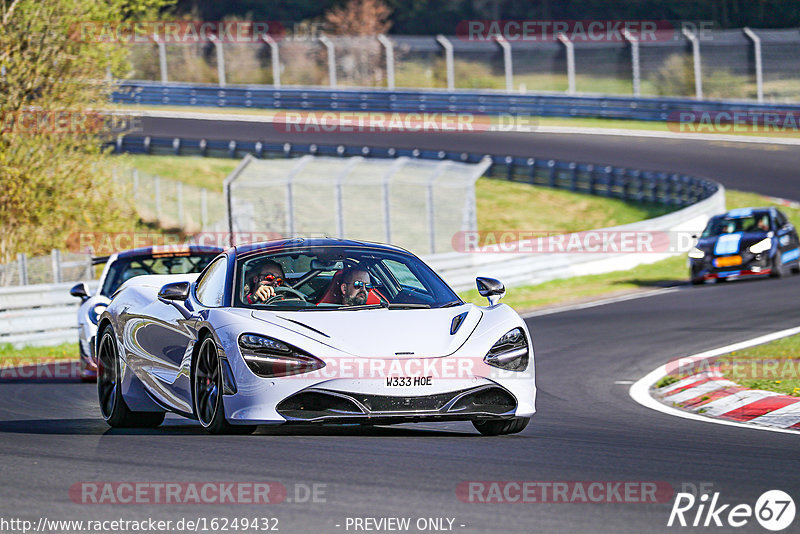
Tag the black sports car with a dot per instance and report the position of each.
(744, 242)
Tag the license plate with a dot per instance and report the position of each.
(727, 261)
(408, 381)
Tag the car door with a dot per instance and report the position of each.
(786, 235)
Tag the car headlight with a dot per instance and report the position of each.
(96, 311)
(510, 352)
(762, 246)
(696, 254)
(270, 358)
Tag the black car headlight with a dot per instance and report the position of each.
(96, 311)
(270, 358)
(510, 352)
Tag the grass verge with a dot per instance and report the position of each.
(774, 366)
(9, 356)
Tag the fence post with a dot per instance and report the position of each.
(203, 208)
(179, 201)
(22, 264)
(759, 65)
(389, 47)
(331, 59)
(157, 195)
(507, 62)
(162, 58)
(276, 60)
(448, 56)
(55, 257)
(635, 62)
(220, 59)
(698, 71)
(570, 62)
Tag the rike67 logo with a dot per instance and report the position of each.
(774, 510)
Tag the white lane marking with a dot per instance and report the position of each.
(572, 130)
(784, 417)
(702, 389)
(623, 382)
(640, 391)
(599, 302)
(735, 401)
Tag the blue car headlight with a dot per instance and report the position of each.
(510, 352)
(270, 358)
(96, 311)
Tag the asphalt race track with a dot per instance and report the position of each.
(587, 428)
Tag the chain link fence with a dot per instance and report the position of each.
(730, 62)
(168, 204)
(376, 199)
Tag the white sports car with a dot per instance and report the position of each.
(313, 331)
(123, 266)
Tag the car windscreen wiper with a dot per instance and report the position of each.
(451, 304)
(408, 306)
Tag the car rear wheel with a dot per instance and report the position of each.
(501, 426)
(779, 270)
(112, 405)
(207, 392)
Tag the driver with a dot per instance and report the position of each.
(265, 279)
(355, 287)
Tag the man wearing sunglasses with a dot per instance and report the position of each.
(265, 279)
(355, 287)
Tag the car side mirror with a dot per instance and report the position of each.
(80, 291)
(174, 291)
(490, 288)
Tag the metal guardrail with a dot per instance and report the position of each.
(430, 101)
(40, 314)
(627, 184)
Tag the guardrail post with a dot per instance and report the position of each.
(162, 58)
(592, 179)
(276, 60)
(608, 176)
(449, 62)
(389, 47)
(507, 62)
(759, 64)
(570, 62)
(55, 259)
(220, 60)
(573, 182)
(551, 165)
(331, 59)
(635, 62)
(531, 171)
(22, 265)
(698, 71)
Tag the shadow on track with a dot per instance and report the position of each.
(96, 426)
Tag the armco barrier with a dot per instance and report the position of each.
(431, 101)
(40, 314)
(627, 184)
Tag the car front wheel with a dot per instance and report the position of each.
(500, 427)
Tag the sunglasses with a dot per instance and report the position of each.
(270, 278)
(358, 284)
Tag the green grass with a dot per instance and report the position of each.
(664, 273)
(773, 366)
(10, 356)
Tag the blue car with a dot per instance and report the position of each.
(745, 242)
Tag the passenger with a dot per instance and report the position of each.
(354, 287)
(763, 224)
(265, 279)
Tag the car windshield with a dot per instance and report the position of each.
(339, 279)
(758, 221)
(126, 268)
